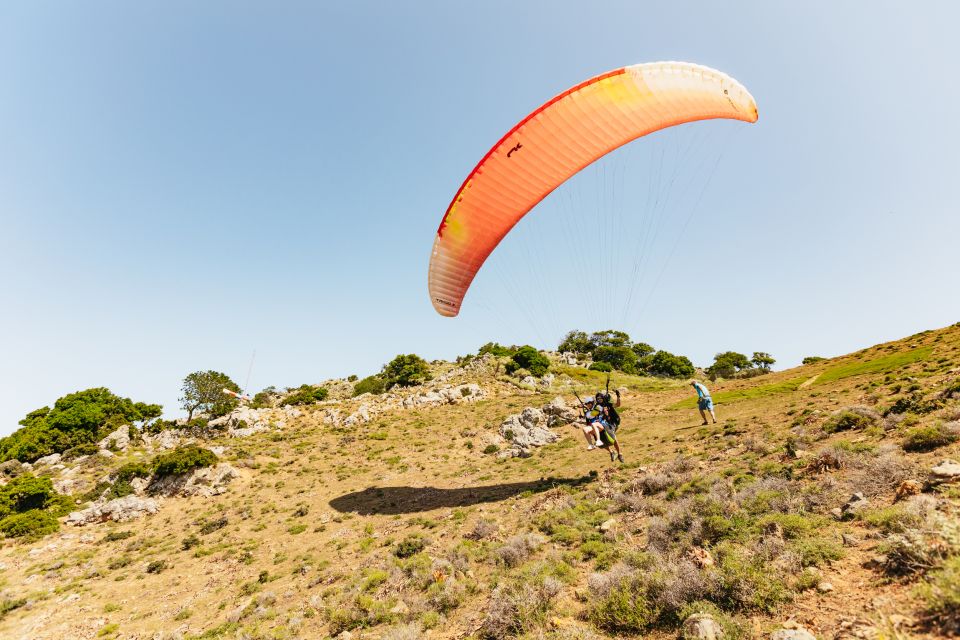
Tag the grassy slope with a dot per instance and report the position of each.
(312, 522)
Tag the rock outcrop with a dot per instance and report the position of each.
(118, 510)
(206, 482)
(117, 440)
(531, 427)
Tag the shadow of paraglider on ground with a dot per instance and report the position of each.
(400, 500)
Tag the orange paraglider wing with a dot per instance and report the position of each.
(556, 141)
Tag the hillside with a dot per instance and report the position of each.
(408, 515)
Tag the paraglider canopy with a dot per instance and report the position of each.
(556, 141)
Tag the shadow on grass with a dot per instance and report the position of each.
(399, 500)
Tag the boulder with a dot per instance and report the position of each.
(166, 439)
(118, 510)
(797, 633)
(856, 503)
(947, 471)
(11, 468)
(558, 412)
(119, 439)
(51, 459)
(241, 422)
(701, 626)
(205, 482)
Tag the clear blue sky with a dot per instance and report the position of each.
(182, 183)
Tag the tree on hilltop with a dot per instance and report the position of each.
(203, 391)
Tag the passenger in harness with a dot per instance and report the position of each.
(611, 422)
(592, 425)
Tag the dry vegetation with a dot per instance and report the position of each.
(809, 501)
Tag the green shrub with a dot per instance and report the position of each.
(25, 492)
(527, 357)
(491, 448)
(156, 566)
(409, 546)
(76, 419)
(371, 384)
(664, 363)
(213, 525)
(263, 399)
(406, 370)
(182, 460)
(746, 582)
(10, 604)
(305, 394)
(114, 536)
(855, 418)
(817, 551)
(496, 349)
(86, 449)
(29, 524)
(929, 438)
(626, 607)
(620, 358)
(604, 367)
(812, 359)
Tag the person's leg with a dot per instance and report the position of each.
(587, 432)
(596, 435)
(616, 445)
(712, 414)
(702, 414)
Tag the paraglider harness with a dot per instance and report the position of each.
(612, 416)
(609, 432)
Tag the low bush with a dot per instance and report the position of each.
(604, 367)
(30, 524)
(305, 394)
(405, 371)
(86, 449)
(527, 357)
(854, 418)
(10, 604)
(370, 384)
(518, 548)
(213, 525)
(183, 459)
(156, 566)
(26, 492)
(928, 438)
(409, 546)
(519, 607)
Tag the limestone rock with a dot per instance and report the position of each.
(118, 510)
(558, 412)
(118, 439)
(242, 422)
(947, 471)
(796, 633)
(856, 503)
(166, 439)
(51, 459)
(701, 626)
(205, 482)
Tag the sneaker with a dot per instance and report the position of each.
(598, 443)
(590, 447)
(705, 422)
(620, 457)
(613, 456)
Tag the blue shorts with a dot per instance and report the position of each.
(705, 404)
